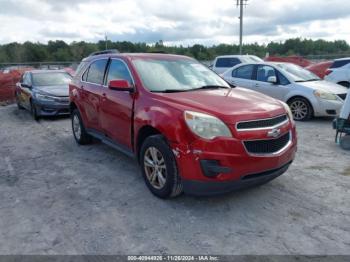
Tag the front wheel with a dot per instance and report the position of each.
(159, 168)
(79, 132)
(301, 109)
(33, 111)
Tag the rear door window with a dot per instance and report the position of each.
(244, 72)
(227, 62)
(96, 72)
(340, 63)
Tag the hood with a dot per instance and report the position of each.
(230, 105)
(325, 86)
(61, 90)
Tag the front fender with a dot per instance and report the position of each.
(168, 121)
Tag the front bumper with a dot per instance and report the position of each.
(224, 164)
(327, 107)
(200, 188)
(51, 108)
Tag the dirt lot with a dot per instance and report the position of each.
(61, 198)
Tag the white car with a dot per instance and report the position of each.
(225, 62)
(339, 72)
(306, 94)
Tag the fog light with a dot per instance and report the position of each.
(212, 168)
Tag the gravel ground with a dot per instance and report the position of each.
(61, 198)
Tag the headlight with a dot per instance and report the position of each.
(206, 126)
(44, 97)
(325, 95)
(289, 112)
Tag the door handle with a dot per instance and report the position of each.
(256, 85)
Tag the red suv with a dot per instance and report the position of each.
(189, 130)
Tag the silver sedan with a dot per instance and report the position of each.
(306, 94)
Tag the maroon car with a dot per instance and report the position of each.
(189, 129)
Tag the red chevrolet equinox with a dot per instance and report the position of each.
(189, 130)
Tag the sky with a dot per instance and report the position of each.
(176, 22)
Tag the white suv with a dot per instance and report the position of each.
(223, 63)
(339, 72)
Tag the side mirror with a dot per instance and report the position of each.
(120, 85)
(272, 80)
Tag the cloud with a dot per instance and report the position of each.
(174, 22)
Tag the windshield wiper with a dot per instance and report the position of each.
(172, 90)
(309, 80)
(313, 79)
(211, 87)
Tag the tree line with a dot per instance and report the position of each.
(61, 51)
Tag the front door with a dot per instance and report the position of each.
(117, 106)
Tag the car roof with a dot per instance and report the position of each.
(135, 55)
(341, 59)
(233, 56)
(38, 71)
(263, 63)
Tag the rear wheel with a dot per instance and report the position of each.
(301, 109)
(159, 168)
(79, 132)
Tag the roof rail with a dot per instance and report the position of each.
(104, 52)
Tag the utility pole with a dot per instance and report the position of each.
(106, 41)
(241, 3)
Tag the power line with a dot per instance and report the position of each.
(241, 4)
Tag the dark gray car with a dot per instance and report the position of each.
(44, 92)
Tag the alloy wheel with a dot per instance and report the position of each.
(299, 109)
(155, 167)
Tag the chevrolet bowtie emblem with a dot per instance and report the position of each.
(274, 133)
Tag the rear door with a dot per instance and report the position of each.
(91, 92)
(242, 76)
(117, 106)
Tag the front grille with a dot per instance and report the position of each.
(262, 123)
(63, 100)
(342, 96)
(269, 146)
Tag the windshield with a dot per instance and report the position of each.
(161, 75)
(253, 59)
(51, 79)
(297, 73)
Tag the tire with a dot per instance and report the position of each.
(78, 129)
(344, 83)
(165, 182)
(33, 112)
(301, 109)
